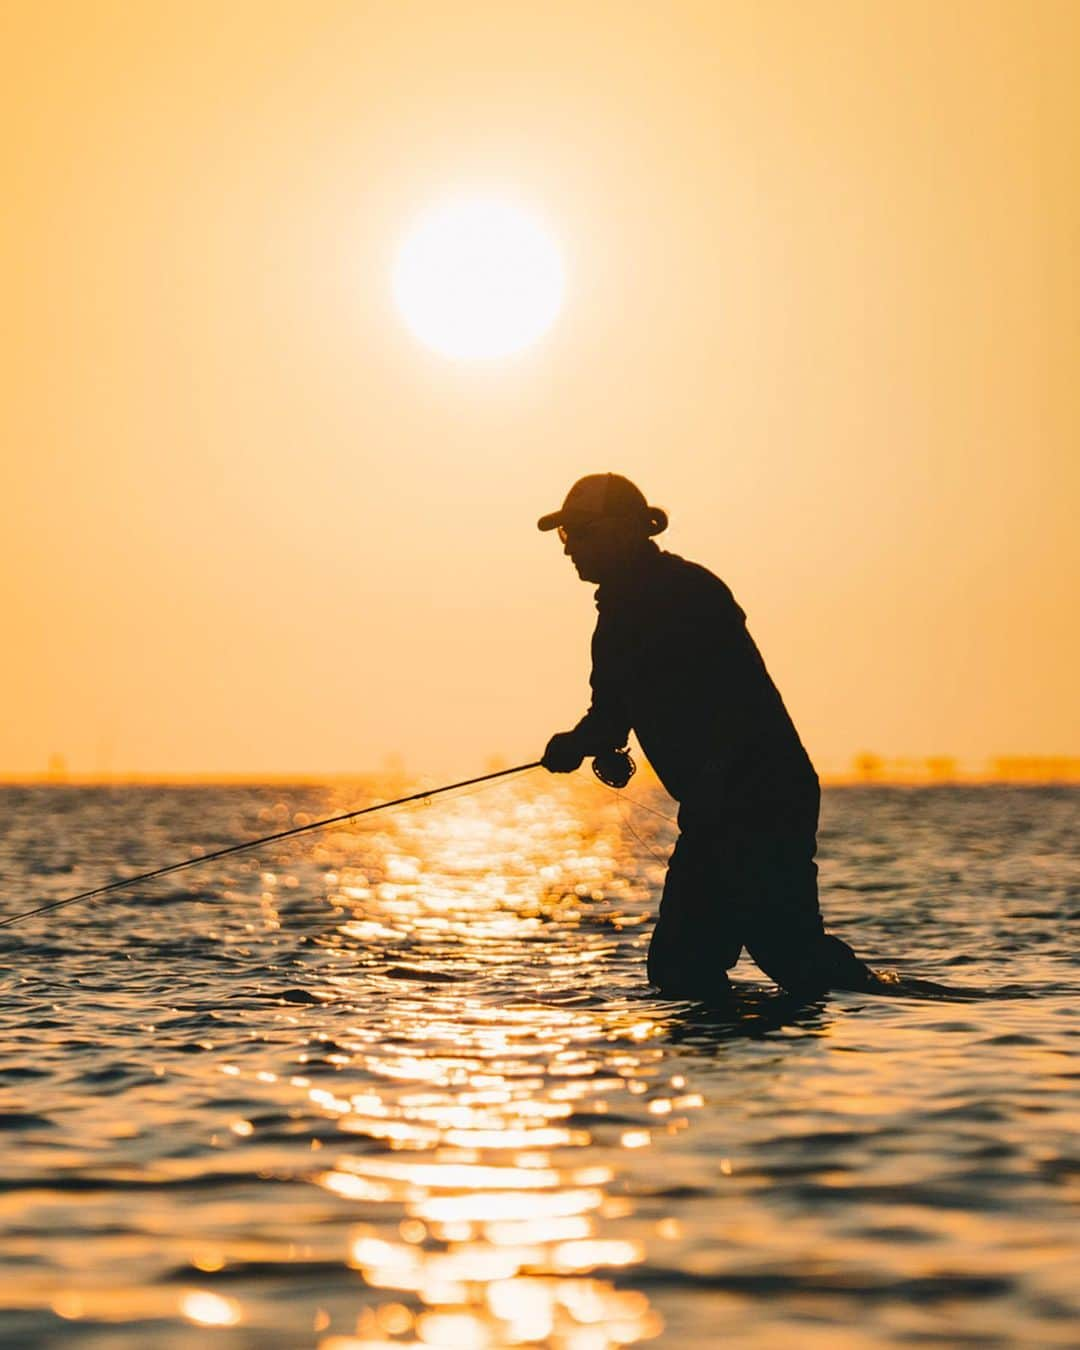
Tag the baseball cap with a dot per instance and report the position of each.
(605, 496)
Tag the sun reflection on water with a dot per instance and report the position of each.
(484, 1187)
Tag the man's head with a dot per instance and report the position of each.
(603, 523)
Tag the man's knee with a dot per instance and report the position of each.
(690, 964)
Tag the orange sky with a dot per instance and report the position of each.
(822, 304)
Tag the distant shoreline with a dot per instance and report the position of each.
(1070, 778)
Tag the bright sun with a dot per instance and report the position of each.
(478, 278)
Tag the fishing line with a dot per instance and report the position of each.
(626, 821)
(126, 882)
(615, 771)
(623, 797)
(671, 820)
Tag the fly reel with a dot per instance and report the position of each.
(615, 768)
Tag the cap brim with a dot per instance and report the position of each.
(570, 518)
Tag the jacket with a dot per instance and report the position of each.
(672, 659)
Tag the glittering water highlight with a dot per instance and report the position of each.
(403, 1084)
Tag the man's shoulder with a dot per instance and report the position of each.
(693, 580)
(679, 566)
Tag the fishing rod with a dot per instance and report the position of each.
(266, 839)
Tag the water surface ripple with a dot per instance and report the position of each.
(402, 1083)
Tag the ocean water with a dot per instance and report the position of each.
(402, 1082)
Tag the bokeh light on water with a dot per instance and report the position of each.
(403, 1084)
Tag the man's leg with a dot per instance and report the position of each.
(781, 918)
(694, 944)
(793, 949)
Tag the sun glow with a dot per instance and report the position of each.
(478, 278)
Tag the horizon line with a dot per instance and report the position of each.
(1030, 770)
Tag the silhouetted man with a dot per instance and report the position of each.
(672, 660)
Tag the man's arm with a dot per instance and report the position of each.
(606, 726)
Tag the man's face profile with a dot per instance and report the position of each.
(596, 547)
